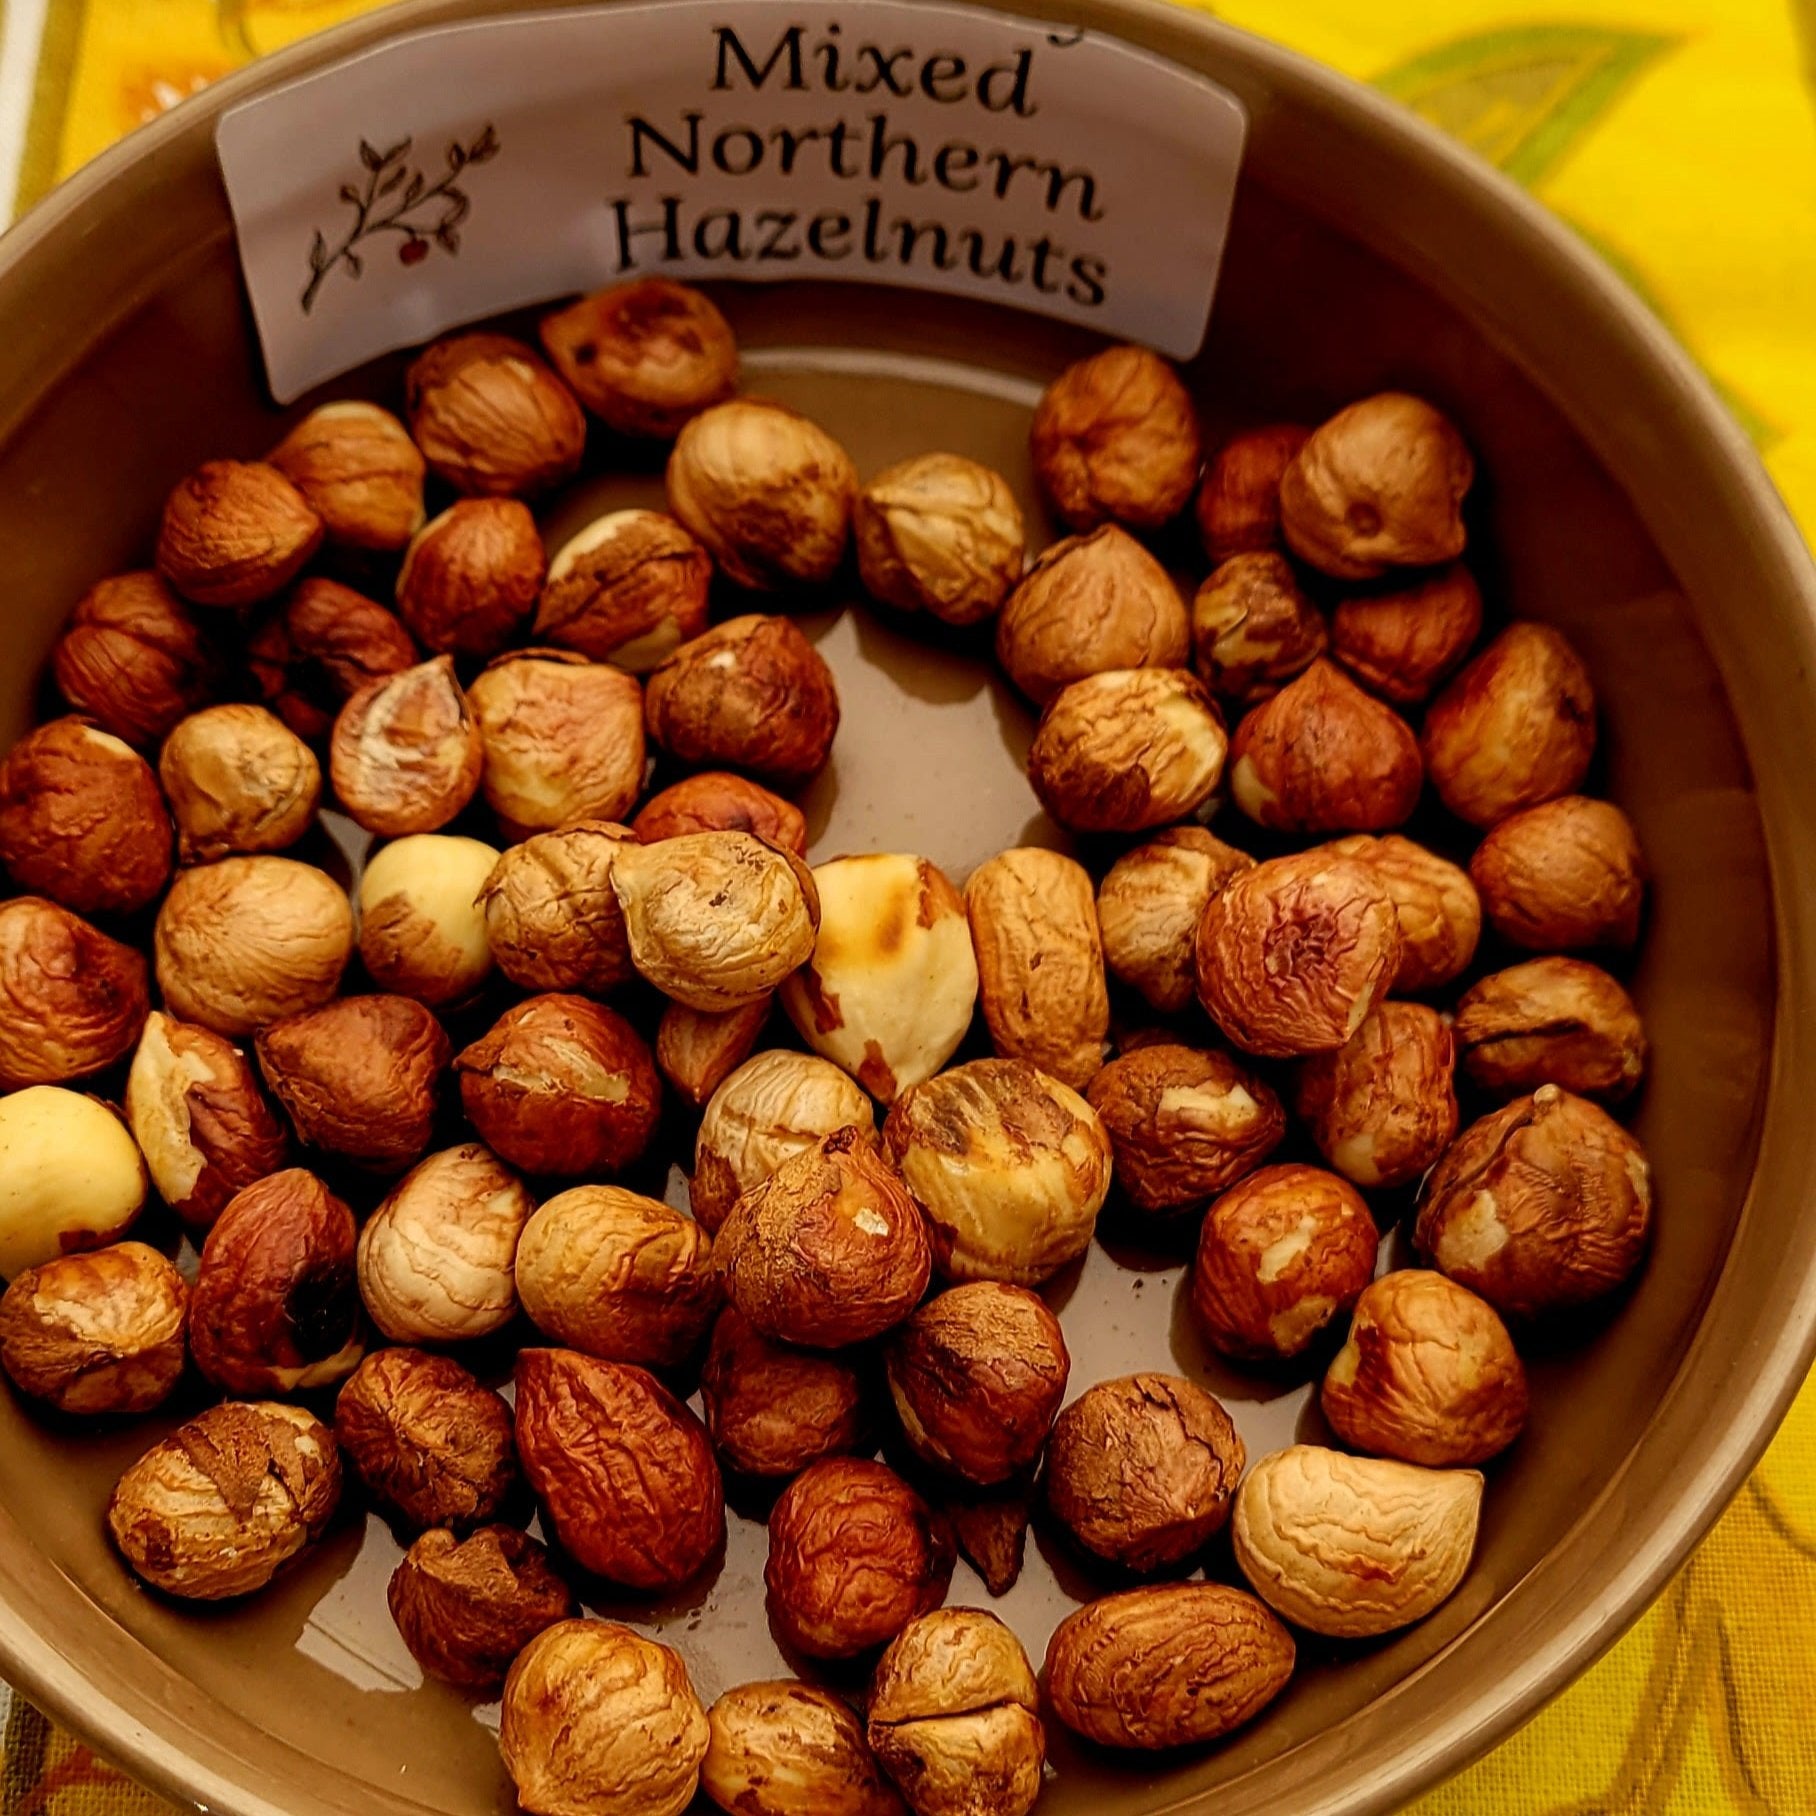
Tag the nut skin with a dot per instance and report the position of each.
(789, 1749)
(422, 926)
(716, 800)
(773, 1409)
(358, 471)
(216, 1509)
(1380, 485)
(698, 1049)
(1553, 1021)
(1149, 905)
(490, 418)
(1565, 875)
(235, 532)
(1253, 628)
(71, 1177)
(940, 534)
(72, 1001)
(629, 588)
(1435, 903)
(623, 1470)
(133, 658)
(237, 780)
(96, 1333)
(1428, 1375)
(1239, 502)
(406, 751)
(991, 1526)
(471, 577)
(324, 645)
(1402, 644)
(552, 921)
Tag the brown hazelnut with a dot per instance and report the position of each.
(698, 1049)
(1515, 728)
(406, 752)
(1239, 502)
(561, 1085)
(422, 924)
(1569, 873)
(767, 491)
(82, 820)
(72, 1001)
(552, 921)
(1294, 953)
(1115, 438)
(235, 532)
(133, 658)
(1435, 903)
(1088, 604)
(326, 644)
(275, 1308)
(238, 780)
(1541, 1206)
(751, 692)
(939, 534)
(624, 1471)
(991, 1528)
(1428, 1375)
(1401, 644)
(96, 1333)
(1253, 629)
(491, 418)
(221, 1505)
(644, 356)
(1149, 905)
(249, 940)
(428, 1443)
(1552, 1021)
(1142, 1470)
(470, 577)
(629, 589)
(773, 1409)
(788, 1749)
(71, 1177)
(716, 800)
(1380, 485)
(1184, 1123)
(1127, 750)
(358, 471)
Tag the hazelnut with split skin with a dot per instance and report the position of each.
(1435, 903)
(422, 924)
(71, 1177)
(1149, 905)
(1555, 1021)
(698, 1049)
(470, 577)
(1567, 875)
(940, 534)
(716, 800)
(359, 471)
(789, 1749)
(551, 919)
(1253, 629)
(72, 1001)
(406, 751)
(235, 532)
(133, 658)
(773, 1409)
(237, 780)
(630, 588)
(320, 649)
(490, 418)
(1402, 644)
(1239, 501)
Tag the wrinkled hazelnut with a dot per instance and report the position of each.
(1380, 485)
(97, 1333)
(1566, 874)
(324, 646)
(235, 532)
(1400, 645)
(773, 1409)
(1435, 903)
(491, 418)
(939, 534)
(1239, 502)
(221, 1505)
(718, 801)
(1253, 629)
(358, 471)
(788, 1749)
(1149, 905)
(1551, 1021)
(552, 921)
(628, 589)
(407, 751)
(72, 1001)
(422, 925)
(237, 780)
(1142, 1470)
(133, 658)
(471, 577)
(70, 1176)
(698, 1049)
(624, 1471)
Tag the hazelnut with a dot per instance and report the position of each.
(428, 1443)
(1253, 629)
(238, 780)
(1239, 502)
(1515, 728)
(422, 925)
(991, 1527)
(1114, 437)
(561, 1085)
(96, 1333)
(318, 652)
(235, 532)
(466, 1607)
(751, 692)
(1142, 1470)
(1428, 1375)
(788, 1749)
(1435, 903)
(1551, 1021)
(628, 589)
(275, 1308)
(698, 1049)
(939, 534)
(773, 1409)
(82, 820)
(72, 1001)
(358, 471)
(1565, 874)
(715, 800)
(889, 990)
(552, 921)
(1088, 604)
(1382, 1107)
(491, 418)
(221, 1505)
(977, 1375)
(854, 1555)
(407, 751)
(70, 1176)
(1294, 953)
(1401, 644)
(248, 940)
(624, 1471)
(1541, 1206)
(827, 1251)
(435, 1260)
(1010, 1167)
(767, 491)
(644, 356)
(1127, 750)
(470, 577)
(1149, 905)
(1380, 485)
(133, 658)
(1184, 1124)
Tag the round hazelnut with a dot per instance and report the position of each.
(491, 418)
(82, 819)
(1566, 874)
(470, 577)
(358, 471)
(1552, 1021)
(427, 1442)
(1380, 485)
(1435, 903)
(238, 780)
(623, 1470)
(318, 652)
(644, 356)
(422, 924)
(1539, 1207)
(248, 940)
(629, 588)
(773, 1409)
(552, 921)
(939, 534)
(1239, 501)
(70, 1176)
(406, 751)
(1515, 728)
(96, 1333)
(1149, 905)
(1253, 628)
(767, 491)
(133, 658)
(235, 532)
(1115, 438)
(72, 1001)
(718, 801)
(1401, 644)
(1142, 1470)
(1090, 603)
(221, 1505)
(698, 1049)
(788, 1749)
(752, 693)
(561, 1085)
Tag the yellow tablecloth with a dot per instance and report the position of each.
(1679, 137)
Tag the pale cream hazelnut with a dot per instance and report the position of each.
(237, 779)
(552, 920)
(939, 534)
(70, 1176)
(422, 924)
(1149, 905)
(360, 472)
(630, 588)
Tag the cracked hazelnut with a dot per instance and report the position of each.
(1239, 502)
(1552, 1021)
(939, 534)
(133, 658)
(1400, 645)
(70, 1176)
(1566, 874)
(96, 1333)
(235, 532)
(1142, 1470)
(72, 1001)
(237, 780)
(552, 921)
(491, 418)
(221, 1505)
(715, 800)
(1149, 905)
(1435, 904)
(358, 470)
(698, 1049)
(628, 589)
(318, 652)
(406, 751)
(788, 1749)
(471, 577)
(422, 924)
(1253, 629)
(773, 1409)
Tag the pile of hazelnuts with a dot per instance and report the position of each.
(1155, 1030)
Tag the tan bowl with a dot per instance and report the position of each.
(1619, 502)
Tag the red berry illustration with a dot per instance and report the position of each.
(413, 252)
